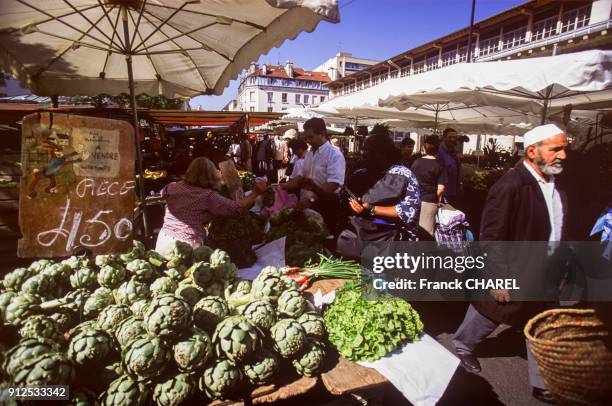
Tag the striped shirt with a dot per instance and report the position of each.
(190, 208)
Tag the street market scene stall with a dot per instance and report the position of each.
(185, 219)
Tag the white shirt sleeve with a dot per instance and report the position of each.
(298, 167)
(336, 168)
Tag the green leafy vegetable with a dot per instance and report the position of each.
(366, 330)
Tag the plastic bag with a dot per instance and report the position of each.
(282, 200)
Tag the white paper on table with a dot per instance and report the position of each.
(271, 254)
(421, 370)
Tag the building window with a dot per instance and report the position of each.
(576, 18)
(419, 67)
(305, 99)
(314, 99)
(322, 99)
(489, 46)
(270, 97)
(252, 96)
(251, 108)
(298, 99)
(284, 97)
(270, 109)
(284, 109)
(514, 38)
(544, 28)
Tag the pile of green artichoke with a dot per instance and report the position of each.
(141, 328)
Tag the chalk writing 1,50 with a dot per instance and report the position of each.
(121, 230)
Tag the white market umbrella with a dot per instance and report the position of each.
(175, 48)
(530, 86)
(460, 111)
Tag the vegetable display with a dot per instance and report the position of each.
(140, 328)
(305, 236)
(366, 330)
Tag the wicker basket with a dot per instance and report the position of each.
(572, 350)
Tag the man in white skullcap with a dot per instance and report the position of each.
(523, 205)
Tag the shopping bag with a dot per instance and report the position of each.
(282, 200)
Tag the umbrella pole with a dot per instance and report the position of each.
(128, 59)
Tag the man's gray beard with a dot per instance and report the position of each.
(549, 169)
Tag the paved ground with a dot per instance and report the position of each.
(503, 380)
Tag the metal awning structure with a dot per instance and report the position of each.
(11, 113)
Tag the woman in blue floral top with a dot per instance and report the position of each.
(403, 209)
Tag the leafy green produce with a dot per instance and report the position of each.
(236, 235)
(247, 179)
(366, 330)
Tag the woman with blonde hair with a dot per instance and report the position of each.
(194, 201)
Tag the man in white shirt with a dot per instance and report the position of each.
(322, 174)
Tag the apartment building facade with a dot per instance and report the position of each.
(344, 64)
(275, 88)
(535, 28)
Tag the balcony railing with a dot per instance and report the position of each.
(574, 24)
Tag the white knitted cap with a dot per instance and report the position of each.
(541, 133)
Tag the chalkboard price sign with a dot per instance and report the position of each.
(77, 185)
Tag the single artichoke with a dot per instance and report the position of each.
(192, 353)
(180, 253)
(84, 278)
(137, 252)
(141, 269)
(236, 338)
(288, 337)
(261, 371)
(139, 307)
(145, 358)
(208, 312)
(261, 313)
(107, 260)
(124, 391)
(202, 253)
(111, 276)
(14, 279)
(75, 262)
(20, 308)
(267, 285)
(99, 299)
(167, 316)
(38, 266)
(132, 291)
(110, 317)
(201, 274)
(313, 325)
(309, 363)
(40, 326)
(175, 391)
(189, 292)
(163, 285)
(129, 329)
(289, 283)
(39, 285)
(46, 369)
(5, 299)
(24, 352)
(90, 346)
(223, 268)
(291, 304)
(220, 379)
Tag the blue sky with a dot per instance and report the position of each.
(373, 29)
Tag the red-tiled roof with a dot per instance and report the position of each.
(274, 71)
